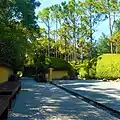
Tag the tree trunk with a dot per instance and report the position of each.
(65, 47)
(116, 49)
(91, 35)
(48, 39)
(74, 33)
(55, 46)
(110, 28)
(56, 36)
(81, 53)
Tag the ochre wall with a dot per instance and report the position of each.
(5, 73)
(59, 74)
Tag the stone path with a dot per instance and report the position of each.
(43, 101)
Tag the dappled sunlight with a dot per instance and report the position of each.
(39, 85)
(47, 102)
(65, 98)
(78, 84)
(19, 115)
(54, 89)
(111, 94)
(37, 93)
(27, 89)
(54, 100)
(60, 117)
(50, 108)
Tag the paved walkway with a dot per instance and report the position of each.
(107, 93)
(42, 101)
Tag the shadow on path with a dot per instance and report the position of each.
(107, 93)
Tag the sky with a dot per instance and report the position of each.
(103, 27)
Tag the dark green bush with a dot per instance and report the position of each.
(92, 68)
(108, 66)
(59, 63)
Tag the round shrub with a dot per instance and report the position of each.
(61, 64)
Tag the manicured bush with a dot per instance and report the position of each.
(108, 66)
(60, 64)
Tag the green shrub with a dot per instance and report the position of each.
(85, 68)
(108, 66)
(83, 73)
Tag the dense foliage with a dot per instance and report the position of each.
(17, 21)
(108, 66)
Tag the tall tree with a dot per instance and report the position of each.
(90, 20)
(45, 16)
(56, 14)
(102, 45)
(110, 8)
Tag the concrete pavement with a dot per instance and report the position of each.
(107, 93)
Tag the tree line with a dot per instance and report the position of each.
(69, 33)
(71, 27)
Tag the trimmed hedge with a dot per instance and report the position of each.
(108, 66)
